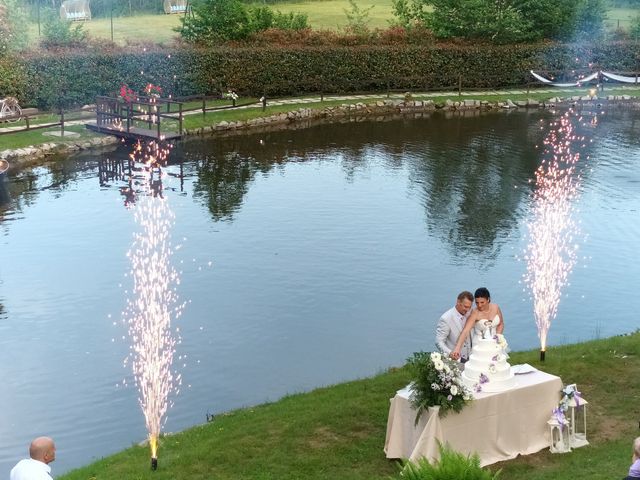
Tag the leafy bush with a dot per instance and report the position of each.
(216, 21)
(12, 78)
(57, 32)
(357, 19)
(75, 77)
(634, 29)
(506, 21)
(452, 465)
(13, 35)
(264, 18)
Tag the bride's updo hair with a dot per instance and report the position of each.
(482, 293)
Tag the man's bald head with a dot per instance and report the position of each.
(43, 449)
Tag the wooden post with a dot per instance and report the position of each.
(180, 118)
(204, 106)
(158, 121)
(26, 119)
(460, 85)
(61, 122)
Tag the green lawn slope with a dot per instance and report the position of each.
(338, 432)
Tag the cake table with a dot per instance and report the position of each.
(497, 426)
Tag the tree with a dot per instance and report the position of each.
(357, 18)
(220, 20)
(549, 19)
(13, 34)
(504, 21)
(589, 20)
(215, 21)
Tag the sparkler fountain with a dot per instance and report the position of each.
(551, 251)
(154, 303)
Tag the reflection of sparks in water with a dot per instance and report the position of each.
(154, 300)
(551, 251)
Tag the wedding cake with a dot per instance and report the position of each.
(487, 369)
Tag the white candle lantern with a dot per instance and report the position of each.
(559, 436)
(578, 425)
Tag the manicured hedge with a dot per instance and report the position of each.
(66, 79)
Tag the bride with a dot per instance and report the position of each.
(485, 319)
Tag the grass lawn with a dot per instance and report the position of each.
(142, 28)
(621, 17)
(39, 137)
(338, 432)
(322, 14)
(330, 14)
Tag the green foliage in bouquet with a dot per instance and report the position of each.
(452, 465)
(436, 382)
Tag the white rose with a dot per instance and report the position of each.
(436, 357)
(454, 390)
(438, 364)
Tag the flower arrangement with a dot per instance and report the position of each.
(127, 94)
(436, 382)
(570, 392)
(152, 90)
(231, 95)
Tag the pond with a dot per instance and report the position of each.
(307, 258)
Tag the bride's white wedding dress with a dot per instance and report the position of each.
(485, 328)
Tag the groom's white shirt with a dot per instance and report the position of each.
(448, 330)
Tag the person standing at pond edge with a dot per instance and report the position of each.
(42, 452)
(450, 326)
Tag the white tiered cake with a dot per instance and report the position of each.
(487, 369)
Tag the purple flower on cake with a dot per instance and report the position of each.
(477, 388)
(492, 368)
(500, 340)
(496, 358)
(483, 378)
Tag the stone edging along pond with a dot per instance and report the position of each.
(381, 108)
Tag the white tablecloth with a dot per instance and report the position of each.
(496, 426)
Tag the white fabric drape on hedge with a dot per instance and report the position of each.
(587, 79)
(577, 83)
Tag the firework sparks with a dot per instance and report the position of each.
(552, 250)
(154, 299)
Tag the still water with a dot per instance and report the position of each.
(308, 258)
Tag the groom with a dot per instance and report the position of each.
(451, 324)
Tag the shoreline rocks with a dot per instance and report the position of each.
(336, 113)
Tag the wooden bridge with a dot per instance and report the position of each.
(139, 118)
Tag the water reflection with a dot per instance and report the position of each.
(466, 168)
